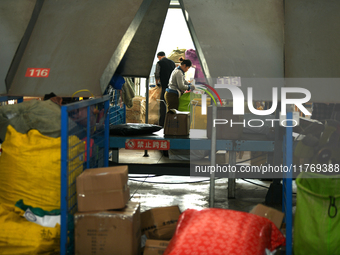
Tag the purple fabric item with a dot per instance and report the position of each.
(191, 54)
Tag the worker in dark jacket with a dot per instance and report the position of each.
(164, 69)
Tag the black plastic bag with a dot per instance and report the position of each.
(134, 129)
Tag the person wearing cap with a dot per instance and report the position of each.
(178, 84)
(164, 67)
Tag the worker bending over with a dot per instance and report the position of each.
(177, 85)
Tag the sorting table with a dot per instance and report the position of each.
(197, 140)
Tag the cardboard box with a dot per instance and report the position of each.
(108, 232)
(198, 121)
(160, 223)
(101, 189)
(177, 123)
(155, 247)
(225, 131)
(270, 213)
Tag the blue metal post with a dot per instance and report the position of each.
(115, 115)
(20, 100)
(106, 134)
(124, 114)
(64, 180)
(88, 143)
(289, 191)
(284, 181)
(284, 190)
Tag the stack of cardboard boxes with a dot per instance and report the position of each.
(106, 221)
(159, 225)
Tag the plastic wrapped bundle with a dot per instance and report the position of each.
(191, 54)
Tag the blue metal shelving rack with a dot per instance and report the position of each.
(117, 111)
(95, 154)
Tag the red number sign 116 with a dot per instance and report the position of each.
(37, 72)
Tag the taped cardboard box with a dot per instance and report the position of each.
(160, 223)
(155, 247)
(270, 213)
(177, 123)
(101, 189)
(108, 232)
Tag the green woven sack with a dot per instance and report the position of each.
(317, 221)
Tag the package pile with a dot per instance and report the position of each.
(106, 220)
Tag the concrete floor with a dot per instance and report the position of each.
(189, 192)
(195, 195)
(192, 192)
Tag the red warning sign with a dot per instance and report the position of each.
(147, 144)
(37, 72)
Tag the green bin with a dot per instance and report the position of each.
(317, 220)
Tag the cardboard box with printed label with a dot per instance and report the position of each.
(160, 223)
(155, 247)
(270, 213)
(108, 232)
(177, 123)
(101, 189)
